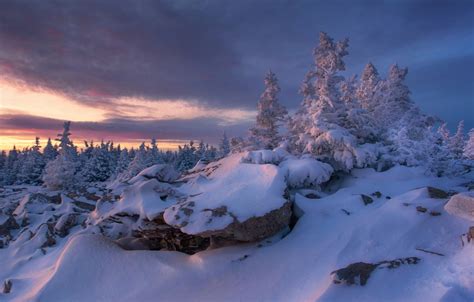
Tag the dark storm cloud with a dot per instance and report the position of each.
(217, 51)
(197, 129)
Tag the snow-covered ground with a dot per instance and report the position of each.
(351, 223)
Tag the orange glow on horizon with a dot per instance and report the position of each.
(20, 142)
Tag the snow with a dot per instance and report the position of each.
(142, 198)
(306, 172)
(265, 156)
(246, 190)
(461, 205)
(85, 267)
(162, 172)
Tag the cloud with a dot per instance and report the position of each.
(212, 54)
(208, 129)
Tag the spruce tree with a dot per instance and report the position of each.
(270, 115)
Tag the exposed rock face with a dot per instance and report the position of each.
(359, 272)
(255, 228)
(461, 205)
(470, 234)
(436, 193)
(252, 229)
(159, 236)
(7, 286)
(7, 224)
(366, 199)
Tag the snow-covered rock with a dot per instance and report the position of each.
(265, 156)
(305, 172)
(161, 172)
(462, 205)
(238, 200)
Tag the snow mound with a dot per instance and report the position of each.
(305, 172)
(265, 156)
(461, 205)
(145, 198)
(234, 192)
(161, 172)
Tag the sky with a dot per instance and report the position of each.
(178, 70)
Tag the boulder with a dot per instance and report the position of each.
(238, 201)
(366, 199)
(7, 224)
(436, 193)
(252, 229)
(461, 205)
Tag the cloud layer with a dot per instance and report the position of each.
(213, 54)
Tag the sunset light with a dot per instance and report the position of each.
(237, 151)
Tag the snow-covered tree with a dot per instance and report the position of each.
(457, 141)
(469, 146)
(186, 158)
(367, 88)
(49, 152)
(122, 162)
(357, 120)
(11, 168)
(301, 120)
(270, 115)
(61, 173)
(224, 146)
(393, 99)
(443, 131)
(99, 165)
(139, 162)
(325, 136)
(33, 165)
(153, 156)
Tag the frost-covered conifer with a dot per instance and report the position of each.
(469, 146)
(186, 158)
(457, 141)
(393, 99)
(357, 120)
(99, 165)
(122, 162)
(61, 173)
(49, 152)
(33, 164)
(269, 116)
(224, 146)
(11, 167)
(367, 88)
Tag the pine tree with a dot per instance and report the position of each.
(301, 120)
(457, 141)
(61, 173)
(11, 167)
(123, 162)
(99, 165)
(393, 99)
(33, 165)
(186, 158)
(3, 162)
(366, 91)
(49, 151)
(469, 146)
(224, 146)
(357, 120)
(443, 131)
(269, 117)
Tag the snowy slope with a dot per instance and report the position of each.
(296, 268)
